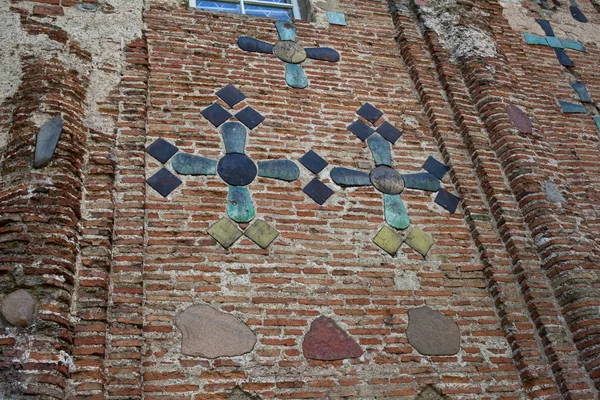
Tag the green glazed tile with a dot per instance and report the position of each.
(261, 233)
(239, 204)
(225, 232)
(388, 240)
(419, 241)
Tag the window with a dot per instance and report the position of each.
(278, 9)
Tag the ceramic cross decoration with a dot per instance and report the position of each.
(558, 45)
(585, 98)
(289, 51)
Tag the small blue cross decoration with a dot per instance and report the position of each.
(558, 45)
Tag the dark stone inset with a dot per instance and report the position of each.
(545, 24)
(322, 54)
(162, 150)
(250, 117)
(215, 114)
(582, 92)
(164, 182)
(327, 341)
(46, 141)
(254, 45)
(18, 308)
(577, 14)
(563, 58)
(435, 168)
(519, 119)
(234, 137)
(432, 333)
(370, 113)
(237, 169)
(290, 52)
(389, 132)
(318, 191)
(313, 162)
(350, 177)
(231, 95)
(387, 180)
(447, 200)
(361, 130)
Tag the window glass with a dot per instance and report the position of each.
(280, 9)
(269, 12)
(218, 6)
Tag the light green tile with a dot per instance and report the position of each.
(388, 240)
(261, 233)
(419, 241)
(225, 232)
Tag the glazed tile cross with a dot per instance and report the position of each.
(584, 97)
(551, 40)
(235, 168)
(289, 51)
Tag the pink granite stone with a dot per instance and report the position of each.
(519, 119)
(327, 341)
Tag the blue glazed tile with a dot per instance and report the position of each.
(254, 45)
(361, 130)
(422, 181)
(190, 164)
(215, 114)
(555, 42)
(295, 76)
(571, 108)
(573, 45)
(534, 39)
(313, 162)
(582, 92)
(447, 200)
(237, 169)
(395, 211)
(435, 168)
(286, 30)
(239, 204)
(336, 18)
(47, 140)
(164, 182)
(389, 132)
(231, 95)
(597, 121)
(234, 137)
(318, 191)
(285, 170)
(370, 113)
(380, 148)
(323, 54)
(577, 14)
(563, 58)
(545, 26)
(250, 117)
(350, 177)
(162, 150)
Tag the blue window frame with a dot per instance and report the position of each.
(278, 9)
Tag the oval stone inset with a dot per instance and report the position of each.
(387, 180)
(519, 119)
(237, 169)
(290, 52)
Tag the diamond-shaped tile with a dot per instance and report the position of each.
(313, 162)
(336, 18)
(231, 95)
(388, 240)
(370, 113)
(553, 41)
(318, 191)
(250, 117)
(435, 168)
(225, 232)
(261, 233)
(389, 132)
(447, 200)
(419, 241)
(571, 108)
(162, 150)
(360, 129)
(164, 182)
(215, 114)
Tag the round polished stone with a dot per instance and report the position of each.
(290, 52)
(237, 169)
(387, 180)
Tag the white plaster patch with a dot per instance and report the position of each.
(407, 280)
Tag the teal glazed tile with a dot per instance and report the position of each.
(380, 148)
(286, 30)
(162, 150)
(597, 121)
(239, 204)
(191, 164)
(322, 54)
(573, 45)
(555, 42)
(284, 170)
(422, 181)
(582, 92)
(231, 95)
(534, 39)
(349, 177)
(571, 108)
(336, 18)
(395, 211)
(295, 76)
(234, 137)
